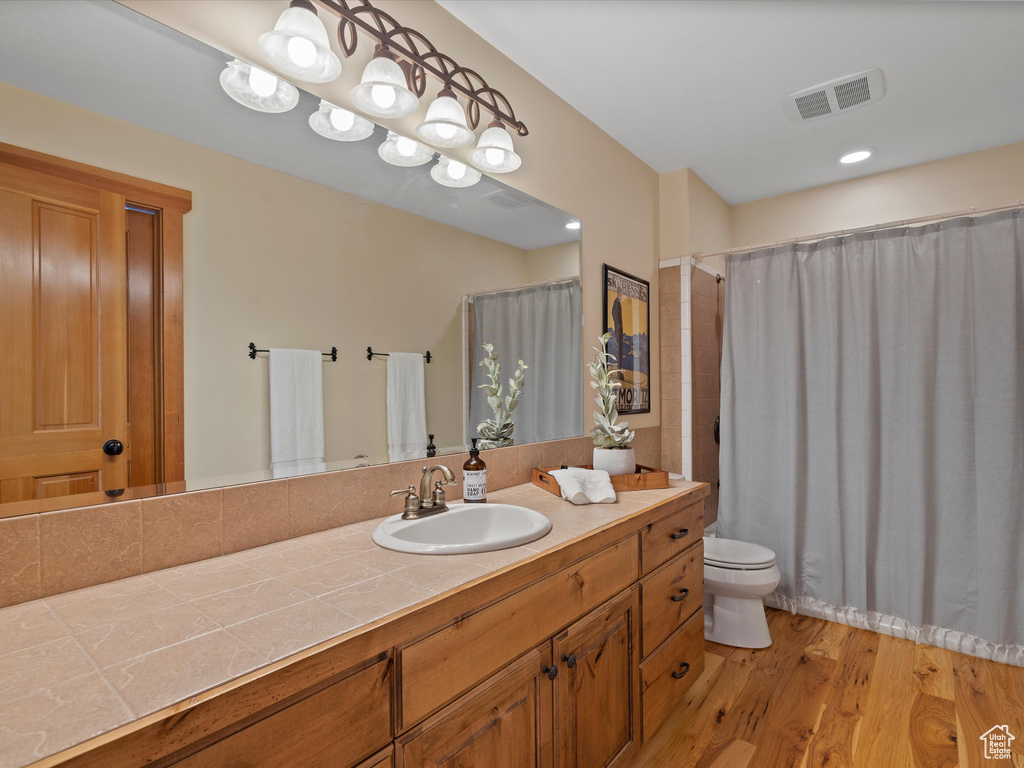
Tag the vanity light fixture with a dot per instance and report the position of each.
(494, 151)
(257, 89)
(398, 150)
(452, 173)
(339, 124)
(445, 125)
(856, 157)
(298, 45)
(382, 91)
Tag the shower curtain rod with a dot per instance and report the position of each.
(555, 281)
(869, 228)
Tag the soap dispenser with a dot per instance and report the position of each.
(474, 477)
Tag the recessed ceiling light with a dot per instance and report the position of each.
(573, 225)
(856, 157)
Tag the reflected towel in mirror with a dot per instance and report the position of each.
(407, 409)
(296, 412)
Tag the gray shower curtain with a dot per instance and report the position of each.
(543, 325)
(873, 422)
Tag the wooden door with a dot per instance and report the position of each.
(62, 314)
(597, 691)
(505, 722)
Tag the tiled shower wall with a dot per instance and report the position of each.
(707, 301)
(54, 552)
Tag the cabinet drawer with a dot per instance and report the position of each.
(333, 728)
(669, 536)
(670, 595)
(682, 656)
(435, 670)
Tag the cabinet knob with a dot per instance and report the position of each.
(683, 666)
(683, 533)
(570, 660)
(681, 596)
(552, 672)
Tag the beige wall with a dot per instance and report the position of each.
(567, 161)
(988, 178)
(296, 265)
(553, 262)
(692, 217)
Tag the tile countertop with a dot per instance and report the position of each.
(80, 664)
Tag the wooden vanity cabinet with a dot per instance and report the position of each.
(336, 726)
(505, 722)
(597, 690)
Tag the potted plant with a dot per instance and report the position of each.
(497, 432)
(612, 451)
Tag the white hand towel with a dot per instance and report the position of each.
(296, 412)
(585, 486)
(407, 409)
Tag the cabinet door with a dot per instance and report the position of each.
(597, 691)
(505, 722)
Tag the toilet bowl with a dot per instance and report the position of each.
(737, 575)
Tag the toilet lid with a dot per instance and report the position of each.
(736, 554)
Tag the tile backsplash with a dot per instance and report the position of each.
(54, 552)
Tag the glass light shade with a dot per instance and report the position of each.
(382, 91)
(494, 151)
(452, 173)
(256, 89)
(339, 124)
(298, 46)
(404, 152)
(445, 125)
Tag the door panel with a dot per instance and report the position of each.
(62, 374)
(597, 692)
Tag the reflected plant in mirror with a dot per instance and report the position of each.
(497, 431)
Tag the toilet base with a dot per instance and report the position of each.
(737, 621)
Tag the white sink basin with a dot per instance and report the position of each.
(463, 528)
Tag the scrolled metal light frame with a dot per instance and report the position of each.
(418, 57)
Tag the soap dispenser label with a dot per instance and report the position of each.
(474, 484)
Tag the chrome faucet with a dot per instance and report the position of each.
(427, 502)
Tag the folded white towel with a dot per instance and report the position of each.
(296, 411)
(585, 486)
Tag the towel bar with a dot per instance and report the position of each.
(370, 354)
(333, 354)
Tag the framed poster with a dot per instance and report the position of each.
(627, 317)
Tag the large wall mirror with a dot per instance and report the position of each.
(295, 241)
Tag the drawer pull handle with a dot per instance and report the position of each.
(551, 671)
(681, 596)
(685, 667)
(683, 533)
(570, 660)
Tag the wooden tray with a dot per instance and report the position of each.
(643, 479)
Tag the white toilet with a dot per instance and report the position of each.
(737, 575)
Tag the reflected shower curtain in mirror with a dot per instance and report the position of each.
(873, 427)
(543, 325)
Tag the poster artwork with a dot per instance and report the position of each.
(627, 319)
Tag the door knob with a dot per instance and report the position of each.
(113, 447)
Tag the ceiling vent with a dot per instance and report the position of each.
(835, 96)
(508, 198)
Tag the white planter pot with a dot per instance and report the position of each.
(615, 461)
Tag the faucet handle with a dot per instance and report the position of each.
(438, 497)
(412, 501)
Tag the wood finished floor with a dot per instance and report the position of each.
(828, 696)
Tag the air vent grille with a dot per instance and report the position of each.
(837, 95)
(508, 199)
(813, 105)
(853, 93)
